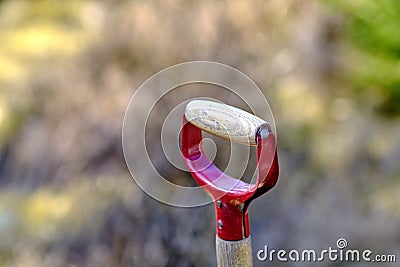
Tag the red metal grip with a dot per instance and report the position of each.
(231, 196)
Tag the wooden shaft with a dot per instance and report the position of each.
(234, 253)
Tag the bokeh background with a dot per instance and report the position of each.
(330, 70)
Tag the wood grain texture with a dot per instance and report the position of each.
(224, 121)
(234, 253)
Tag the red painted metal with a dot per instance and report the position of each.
(231, 196)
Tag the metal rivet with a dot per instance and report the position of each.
(219, 204)
(264, 133)
(220, 224)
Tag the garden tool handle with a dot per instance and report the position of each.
(224, 121)
(231, 196)
(234, 253)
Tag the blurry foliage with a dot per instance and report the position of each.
(34, 36)
(372, 27)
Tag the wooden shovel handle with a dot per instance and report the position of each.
(224, 121)
(234, 253)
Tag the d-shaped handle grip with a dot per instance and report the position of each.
(231, 196)
(224, 121)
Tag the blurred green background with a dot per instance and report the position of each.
(330, 70)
